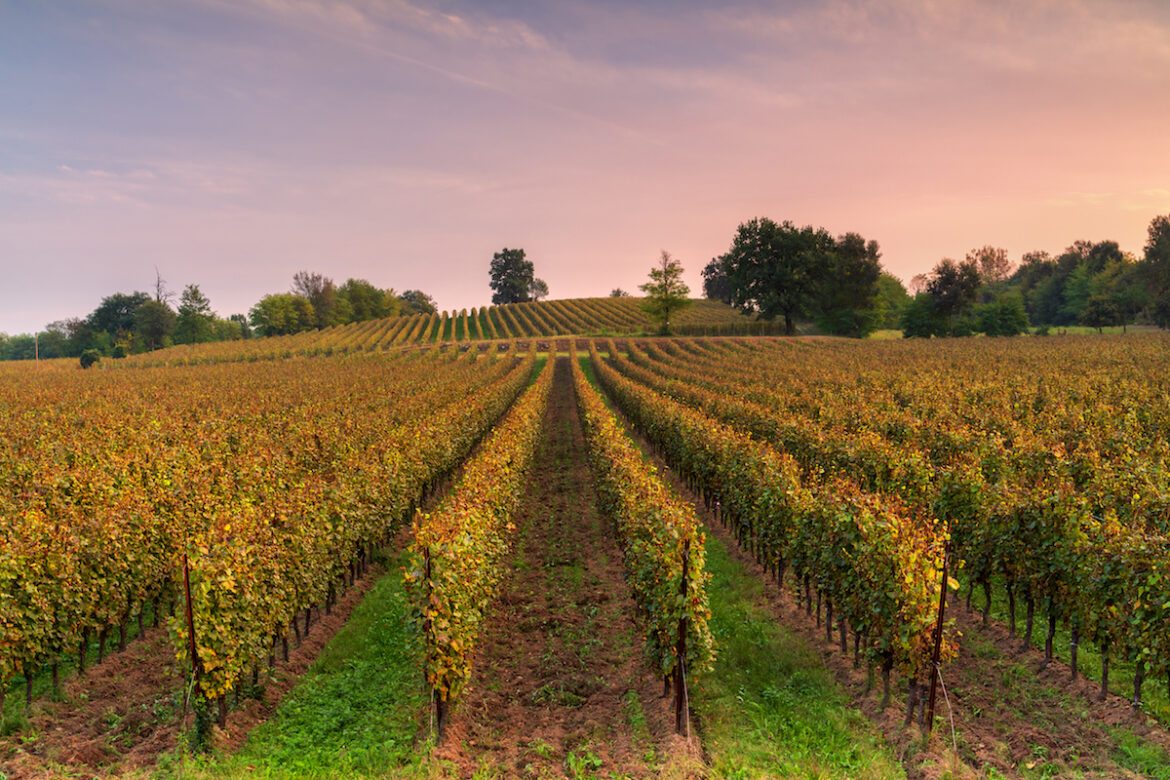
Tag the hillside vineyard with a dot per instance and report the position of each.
(228, 499)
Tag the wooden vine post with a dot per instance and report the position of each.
(441, 703)
(938, 634)
(681, 714)
(199, 703)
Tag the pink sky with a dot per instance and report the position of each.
(232, 144)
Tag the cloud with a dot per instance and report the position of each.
(377, 17)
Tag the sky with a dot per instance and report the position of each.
(232, 143)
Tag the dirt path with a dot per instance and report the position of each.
(560, 687)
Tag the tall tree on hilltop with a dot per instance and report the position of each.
(775, 270)
(666, 293)
(512, 276)
(715, 286)
(194, 321)
(848, 287)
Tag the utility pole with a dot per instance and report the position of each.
(37, 348)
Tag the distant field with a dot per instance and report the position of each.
(596, 317)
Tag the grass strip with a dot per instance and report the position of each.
(770, 708)
(357, 711)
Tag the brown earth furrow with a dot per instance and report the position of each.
(561, 686)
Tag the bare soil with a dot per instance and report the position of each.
(561, 687)
(122, 714)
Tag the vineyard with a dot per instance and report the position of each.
(904, 506)
(506, 323)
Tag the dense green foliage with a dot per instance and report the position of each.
(779, 270)
(666, 293)
(1089, 283)
(512, 277)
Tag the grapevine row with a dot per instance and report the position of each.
(1070, 533)
(661, 541)
(271, 504)
(459, 550)
(877, 565)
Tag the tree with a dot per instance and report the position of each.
(367, 302)
(90, 357)
(511, 276)
(154, 323)
(891, 299)
(1004, 316)
(538, 289)
(114, 316)
(775, 270)
(161, 293)
(328, 307)
(242, 321)
(666, 292)
(920, 319)
(618, 292)
(1033, 278)
(992, 262)
(953, 288)
(194, 321)
(417, 302)
(1156, 270)
(281, 314)
(848, 287)
(715, 285)
(1100, 312)
(20, 347)
(226, 330)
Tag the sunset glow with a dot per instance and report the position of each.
(231, 144)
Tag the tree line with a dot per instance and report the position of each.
(129, 323)
(1094, 284)
(805, 274)
(777, 270)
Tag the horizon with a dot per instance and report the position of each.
(232, 145)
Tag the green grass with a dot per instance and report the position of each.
(770, 708)
(1155, 696)
(1140, 756)
(1085, 330)
(358, 711)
